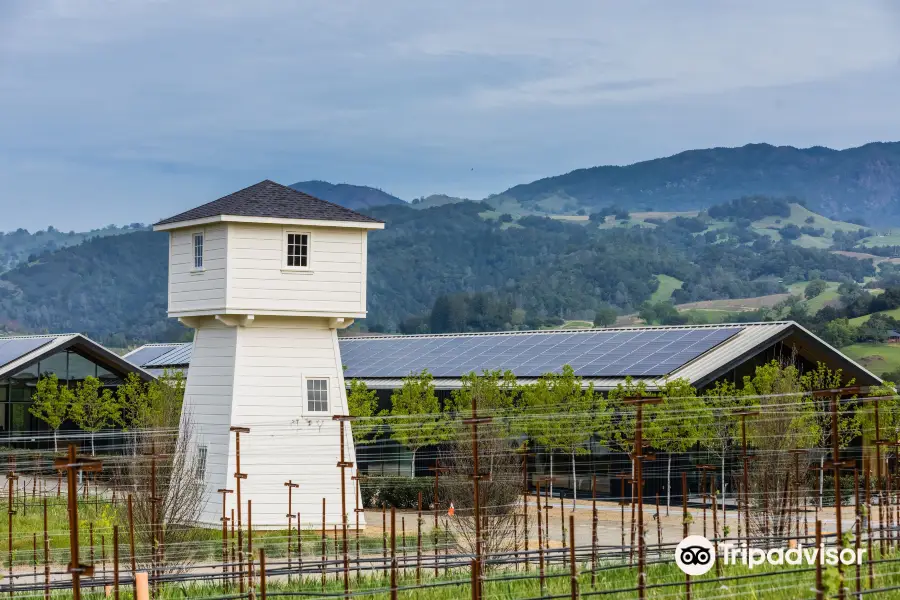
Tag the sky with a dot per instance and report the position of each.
(134, 110)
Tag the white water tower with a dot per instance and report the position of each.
(265, 277)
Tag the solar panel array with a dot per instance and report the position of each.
(14, 348)
(613, 353)
(178, 354)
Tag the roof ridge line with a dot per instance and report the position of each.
(567, 331)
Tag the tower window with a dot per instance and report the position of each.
(202, 453)
(317, 395)
(198, 251)
(297, 251)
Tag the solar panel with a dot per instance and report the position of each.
(651, 352)
(178, 354)
(14, 348)
(145, 354)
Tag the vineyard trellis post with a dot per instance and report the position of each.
(291, 486)
(835, 395)
(224, 520)
(73, 465)
(685, 525)
(477, 476)
(639, 404)
(343, 465)
(238, 476)
(745, 485)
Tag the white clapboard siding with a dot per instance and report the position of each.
(270, 362)
(333, 284)
(193, 290)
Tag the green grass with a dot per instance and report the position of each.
(667, 286)
(890, 239)
(798, 217)
(878, 358)
(614, 581)
(577, 325)
(894, 312)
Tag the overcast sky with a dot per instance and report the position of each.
(115, 112)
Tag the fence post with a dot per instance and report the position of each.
(262, 573)
(573, 568)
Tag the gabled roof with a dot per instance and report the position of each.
(271, 200)
(18, 352)
(604, 357)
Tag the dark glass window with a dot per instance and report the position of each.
(298, 250)
(56, 364)
(198, 250)
(80, 367)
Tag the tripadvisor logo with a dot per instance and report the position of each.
(695, 555)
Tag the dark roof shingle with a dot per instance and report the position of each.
(270, 199)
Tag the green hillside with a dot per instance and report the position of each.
(859, 182)
(21, 245)
(540, 272)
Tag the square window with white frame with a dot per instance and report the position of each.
(317, 395)
(297, 250)
(198, 251)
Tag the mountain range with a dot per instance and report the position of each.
(517, 267)
(856, 184)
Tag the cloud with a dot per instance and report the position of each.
(185, 98)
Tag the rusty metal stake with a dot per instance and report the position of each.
(573, 567)
(394, 590)
(343, 464)
(639, 477)
(238, 476)
(290, 485)
(115, 562)
(72, 464)
(685, 524)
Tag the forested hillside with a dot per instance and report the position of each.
(523, 273)
(847, 184)
(21, 245)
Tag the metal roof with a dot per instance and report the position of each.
(18, 352)
(749, 339)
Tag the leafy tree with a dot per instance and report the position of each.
(416, 420)
(849, 419)
(132, 397)
(363, 404)
(677, 423)
(562, 416)
(814, 288)
(94, 408)
(839, 333)
(605, 316)
(50, 403)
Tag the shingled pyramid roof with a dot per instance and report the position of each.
(272, 200)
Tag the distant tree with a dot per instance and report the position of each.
(790, 232)
(94, 408)
(505, 218)
(50, 403)
(839, 332)
(416, 420)
(814, 288)
(810, 220)
(605, 316)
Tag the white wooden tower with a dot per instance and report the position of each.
(265, 277)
